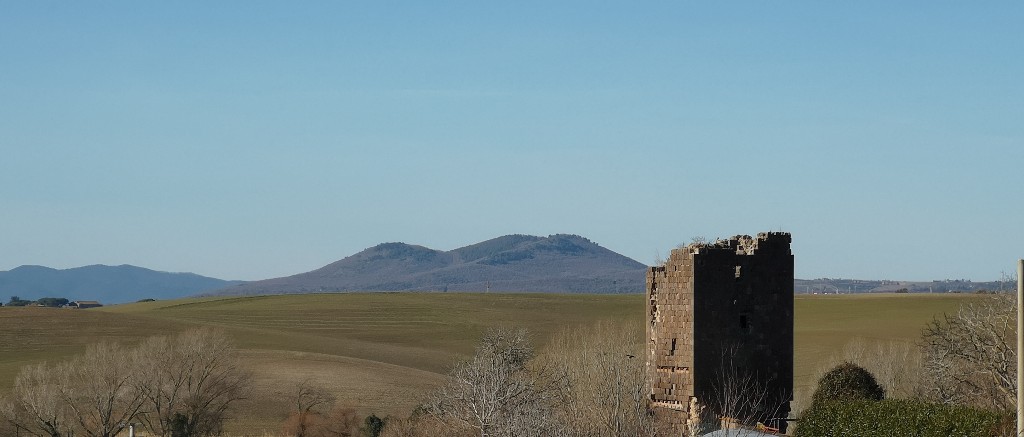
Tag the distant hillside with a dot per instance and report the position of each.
(106, 284)
(833, 285)
(557, 263)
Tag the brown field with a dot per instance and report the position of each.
(381, 352)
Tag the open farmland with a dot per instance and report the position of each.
(379, 352)
(825, 324)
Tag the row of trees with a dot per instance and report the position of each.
(177, 386)
(54, 302)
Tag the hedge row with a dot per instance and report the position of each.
(900, 417)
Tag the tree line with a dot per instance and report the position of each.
(174, 386)
(54, 302)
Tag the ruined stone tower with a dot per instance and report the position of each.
(720, 318)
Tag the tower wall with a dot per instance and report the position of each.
(718, 312)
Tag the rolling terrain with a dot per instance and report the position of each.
(558, 263)
(381, 352)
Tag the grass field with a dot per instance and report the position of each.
(379, 352)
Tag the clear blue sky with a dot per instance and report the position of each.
(247, 140)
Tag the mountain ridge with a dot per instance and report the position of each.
(562, 263)
(107, 284)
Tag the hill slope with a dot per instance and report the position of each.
(382, 352)
(557, 263)
(107, 284)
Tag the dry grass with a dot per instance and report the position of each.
(379, 352)
(420, 330)
(367, 386)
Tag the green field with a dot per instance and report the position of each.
(379, 352)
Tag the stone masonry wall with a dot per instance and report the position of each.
(729, 301)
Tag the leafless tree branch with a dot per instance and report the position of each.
(970, 357)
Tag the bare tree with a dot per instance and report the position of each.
(97, 387)
(35, 406)
(158, 383)
(90, 395)
(310, 397)
(187, 382)
(341, 422)
(494, 393)
(177, 386)
(588, 381)
(970, 357)
(8, 427)
(741, 400)
(600, 380)
(307, 418)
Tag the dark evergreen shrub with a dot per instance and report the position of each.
(847, 381)
(372, 426)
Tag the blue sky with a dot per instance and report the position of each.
(247, 140)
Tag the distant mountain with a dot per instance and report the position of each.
(557, 263)
(843, 286)
(512, 263)
(106, 284)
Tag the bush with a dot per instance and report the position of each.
(372, 426)
(900, 417)
(847, 382)
(53, 302)
(18, 302)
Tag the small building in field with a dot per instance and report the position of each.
(83, 304)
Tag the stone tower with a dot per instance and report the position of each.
(720, 320)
